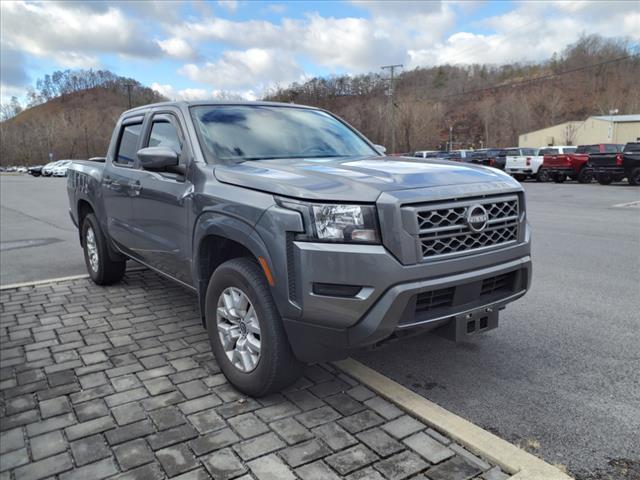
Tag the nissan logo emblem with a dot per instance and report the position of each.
(477, 218)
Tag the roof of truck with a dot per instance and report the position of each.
(185, 103)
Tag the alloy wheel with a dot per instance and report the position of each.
(92, 249)
(239, 329)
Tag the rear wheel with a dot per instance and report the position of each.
(245, 330)
(634, 177)
(585, 175)
(543, 175)
(605, 178)
(102, 269)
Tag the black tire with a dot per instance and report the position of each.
(585, 175)
(604, 178)
(542, 175)
(277, 367)
(519, 177)
(559, 178)
(106, 271)
(633, 177)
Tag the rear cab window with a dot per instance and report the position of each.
(514, 152)
(127, 150)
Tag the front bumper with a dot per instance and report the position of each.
(393, 297)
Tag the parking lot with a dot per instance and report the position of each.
(560, 376)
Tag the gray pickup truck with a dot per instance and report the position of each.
(301, 240)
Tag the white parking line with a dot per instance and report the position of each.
(628, 205)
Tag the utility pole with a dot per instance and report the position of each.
(129, 85)
(450, 138)
(391, 104)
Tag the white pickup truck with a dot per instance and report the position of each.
(523, 163)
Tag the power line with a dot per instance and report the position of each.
(392, 68)
(523, 82)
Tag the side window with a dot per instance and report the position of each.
(128, 145)
(164, 134)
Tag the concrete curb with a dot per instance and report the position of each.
(513, 460)
(34, 283)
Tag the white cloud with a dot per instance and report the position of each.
(201, 94)
(177, 47)
(67, 33)
(244, 69)
(229, 5)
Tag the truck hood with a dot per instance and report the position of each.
(353, 179)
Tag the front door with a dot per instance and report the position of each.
(162, 205)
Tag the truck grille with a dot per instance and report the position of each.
(443, 228)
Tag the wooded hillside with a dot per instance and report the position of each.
(70, 114)
(485, 105)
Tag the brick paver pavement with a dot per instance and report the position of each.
(120, 382)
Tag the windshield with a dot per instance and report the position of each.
(259, 132)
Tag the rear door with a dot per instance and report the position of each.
(162, 202)
(116, 182)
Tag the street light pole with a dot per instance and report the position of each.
(611, 124)
(391, 104)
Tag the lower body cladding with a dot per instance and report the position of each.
(359, 296)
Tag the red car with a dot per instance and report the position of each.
(573, 164)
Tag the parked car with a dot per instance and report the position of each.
(615, 166)
(22, 169)
(459, 155)
(478, 157)
(47, 170)
(60, 169)
(518, 162)
(573, 164)
(429, 154)
(554, 162)
(36, 171)
(302, 241)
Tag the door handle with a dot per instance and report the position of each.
(136, 188)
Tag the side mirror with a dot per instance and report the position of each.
(157, 158)
(381, 148)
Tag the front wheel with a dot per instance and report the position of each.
(634, 177)
(542, 175)
(102, 269)
(246, 332)
(605, 178)
(559, 178)
(585, 176)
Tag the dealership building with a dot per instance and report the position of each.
(600, 129)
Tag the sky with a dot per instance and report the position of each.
(216, 49)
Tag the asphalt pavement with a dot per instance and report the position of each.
(37, 238)
(561, 376)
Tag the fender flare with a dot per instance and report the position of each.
(228, 227)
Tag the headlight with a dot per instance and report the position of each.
(345, 223)
(337, 223)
